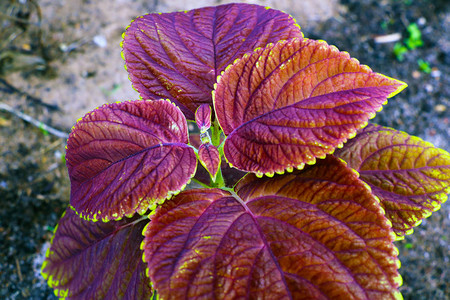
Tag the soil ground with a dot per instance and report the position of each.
(58, 61)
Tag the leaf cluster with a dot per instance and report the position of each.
(413, 41)
(283, 191)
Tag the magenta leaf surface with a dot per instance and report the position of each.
(286, 104)
(411, 177)
(210, 158)
(123, 157)
(179, 55)
(96, 260)
(203, 117)
(315, 234)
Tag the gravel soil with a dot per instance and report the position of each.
(34, 188)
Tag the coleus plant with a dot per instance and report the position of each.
(283, 191)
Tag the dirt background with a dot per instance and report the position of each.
(60, 59)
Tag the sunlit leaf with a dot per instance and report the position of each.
(123, 157)
(210, 158)
(179, 55)
(314, 234)
(411, 177)
(96, 260)
(286, 104)
(203, 117)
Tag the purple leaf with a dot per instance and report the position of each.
(285, 105)
(210, 158)
(203, 117)
(98, 260)
(316, 234)
(124, 157)
(411, 177)
(179, 55)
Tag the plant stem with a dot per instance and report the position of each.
(215, 140)
(215, 133)
(219, 182)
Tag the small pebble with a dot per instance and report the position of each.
(416, 74)
(100, 41)
(440, 108)
(26, 47)
(57, 154)
(435, 73)
(421, 21)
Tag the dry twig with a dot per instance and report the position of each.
(34, 122)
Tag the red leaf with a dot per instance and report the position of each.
(210, 158)
(291, 102)
(316, 234)
(411, 177)
(203, 117)
(123, 157)
(179, 55)
(98, 260)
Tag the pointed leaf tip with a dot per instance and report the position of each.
(284, 105)
(210, 158)
(179, 55)
(123, 157)
(411, 177)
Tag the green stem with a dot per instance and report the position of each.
(215, 133)
(215, 140)
(219, 182)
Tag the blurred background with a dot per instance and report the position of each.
(60, 59)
